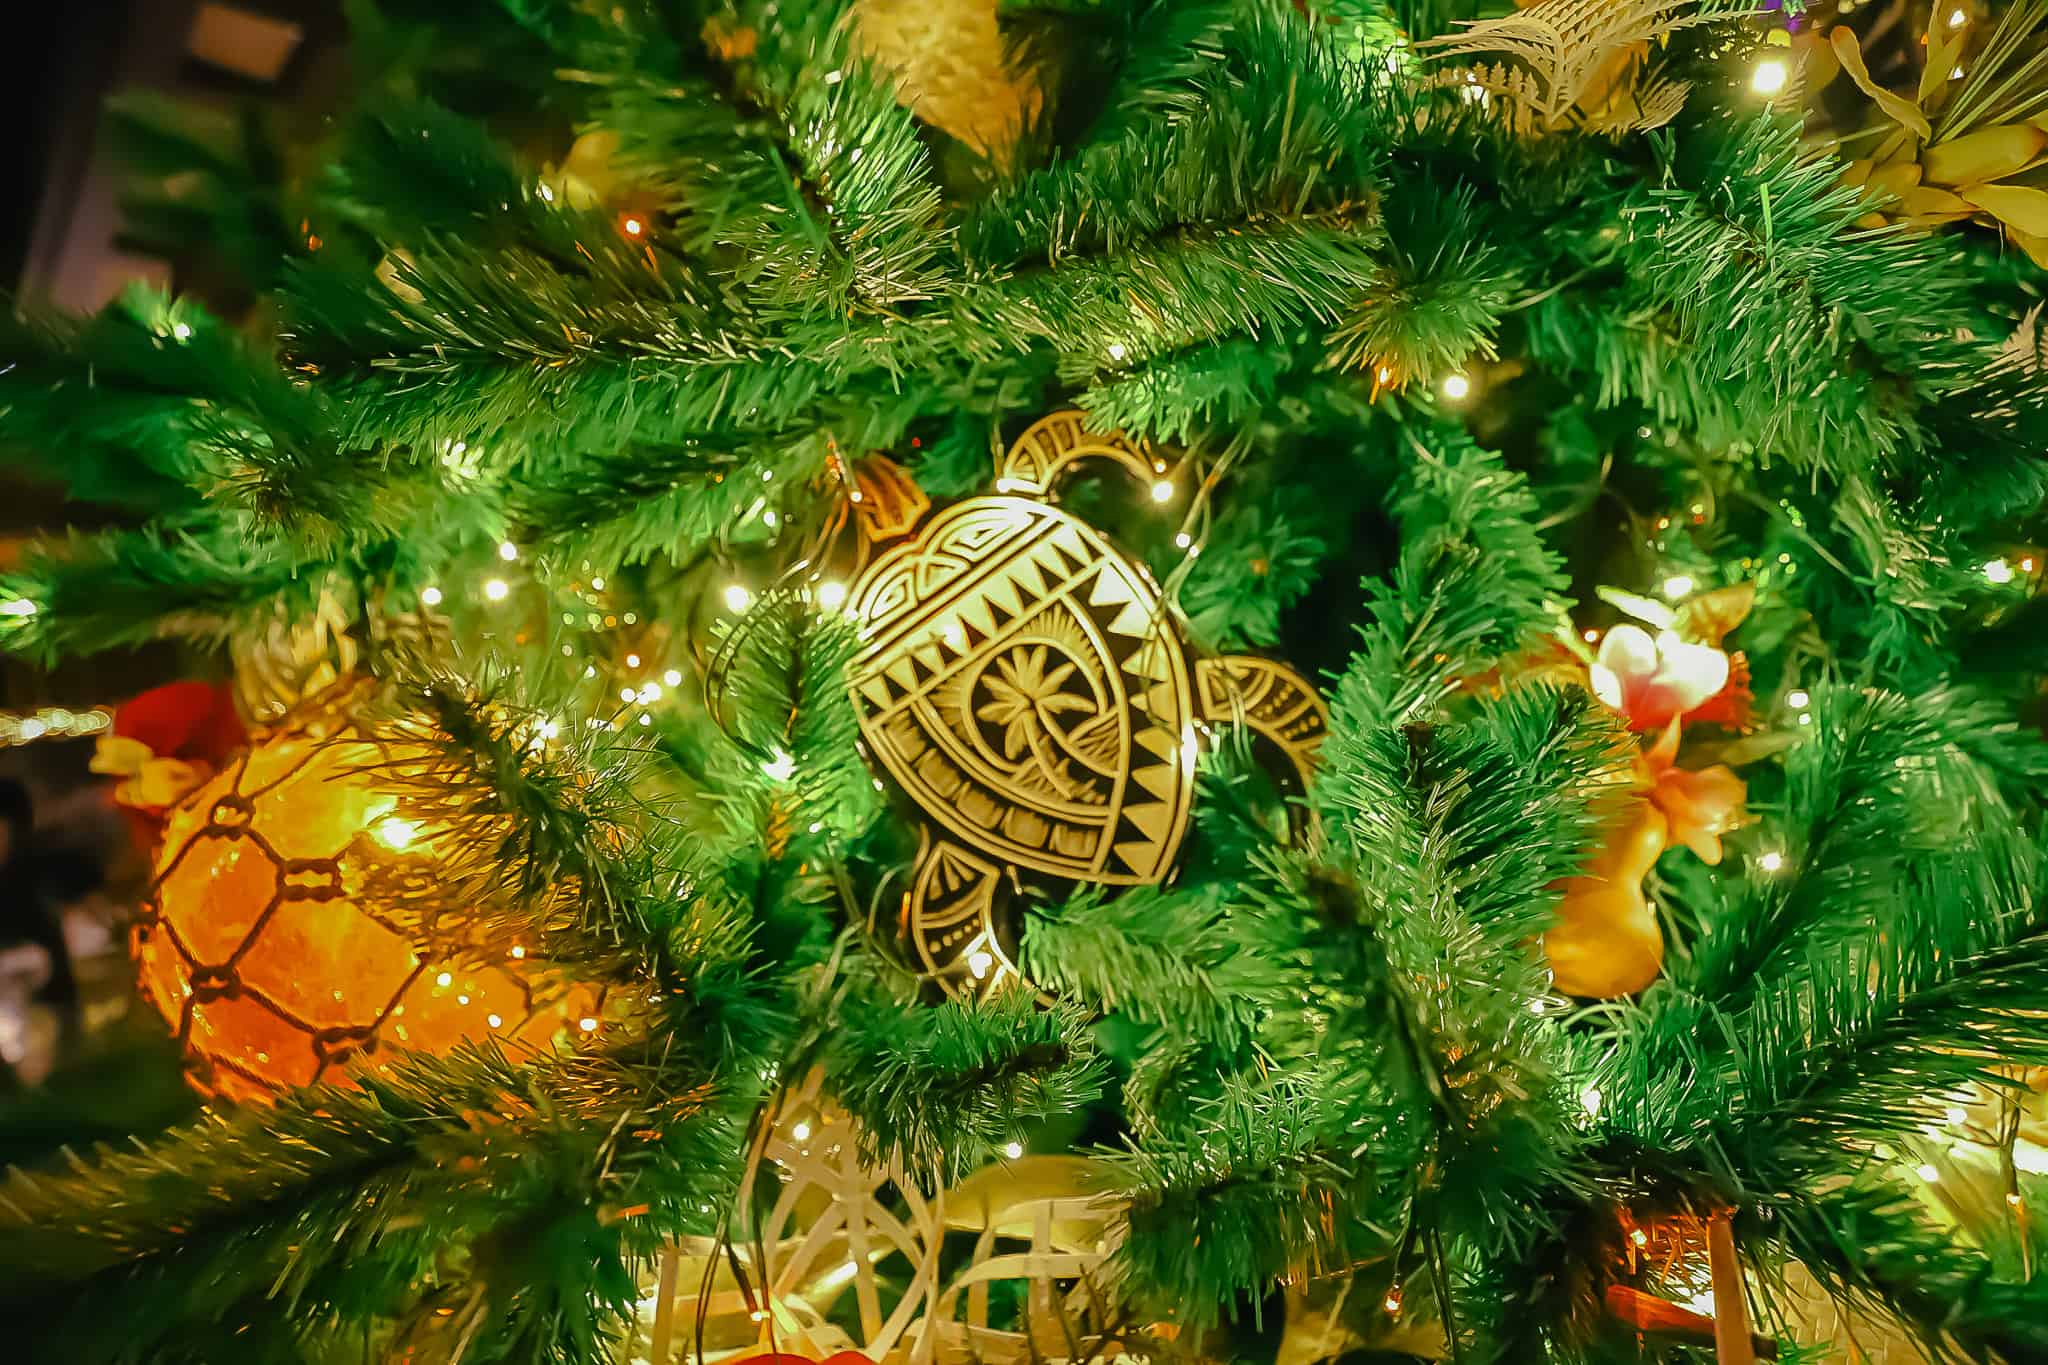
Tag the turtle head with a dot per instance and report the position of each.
(1037, 460)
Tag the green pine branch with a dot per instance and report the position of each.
(941, 1090)
(501, 1187)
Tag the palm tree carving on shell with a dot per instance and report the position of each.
(1026, 700)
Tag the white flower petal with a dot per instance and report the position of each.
(1693, 672)
(1629, 652)
(1606, 686)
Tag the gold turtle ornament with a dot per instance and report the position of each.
(1029, 688)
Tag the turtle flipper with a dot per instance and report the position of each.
(951, 917)
(1272, 699)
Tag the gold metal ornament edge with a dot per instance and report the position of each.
(1028, 687)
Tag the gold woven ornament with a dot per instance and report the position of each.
(947, 58)
(1030, 690)
(292, 658)
(1571, 63)
(839, 1234)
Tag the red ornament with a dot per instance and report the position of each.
(164, 743)
(196, 721)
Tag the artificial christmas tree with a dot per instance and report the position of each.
(1356, 846)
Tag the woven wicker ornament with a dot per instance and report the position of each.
(1027, 686)
(256, 944)
(947, 57)
(843, 1256)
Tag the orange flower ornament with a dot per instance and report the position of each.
(1606, 941)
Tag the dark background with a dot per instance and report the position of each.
(60, 232)
(97, 1064)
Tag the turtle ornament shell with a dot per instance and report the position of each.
(1030, 690)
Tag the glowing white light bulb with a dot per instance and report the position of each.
(831, 595)
(1183, 540)
(587, 1024)
(781, 767)
(182, 331)
(397, 833)
(801, 1132)
(495, 1021)
(1998, 571)
(430, 596)
(632, 661)
(1456, 386)
(20, 606)
(1798, 699)
(673, 678)
(596, 583)
(497, 589)
(1678, 585)
(1957, 18)
(1771, 861)
(1589, 1100)
(1117, 351)
(1162, 491)
(445, 979)
(737, 597)
(507, 551)
(1770, 76)
(1013, 1150)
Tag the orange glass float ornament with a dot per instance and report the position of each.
(257, 945)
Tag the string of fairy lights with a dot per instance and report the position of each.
(1972, 1132)
(52, 722)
